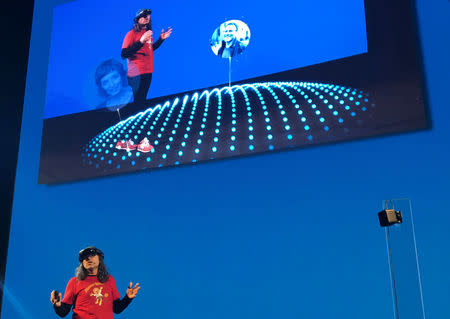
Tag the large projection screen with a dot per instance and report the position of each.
(288, 75)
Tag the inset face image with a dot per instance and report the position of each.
(230, 39)
(111, 83)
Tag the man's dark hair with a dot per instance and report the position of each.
(102, 274)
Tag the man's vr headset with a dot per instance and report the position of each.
(142, 13)
(88, 252)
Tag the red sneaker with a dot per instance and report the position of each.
(144, 146)
(130, 146)
(121, 145)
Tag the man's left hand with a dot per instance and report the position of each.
(166, 34)
(132, 291)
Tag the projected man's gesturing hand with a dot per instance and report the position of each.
(166, 34)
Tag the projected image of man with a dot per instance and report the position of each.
(231, 46)
(137, 48)
(92, 293)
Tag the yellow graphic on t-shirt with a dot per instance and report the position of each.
(97, 293)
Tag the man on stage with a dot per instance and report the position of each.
(92, 292)
(138, 49)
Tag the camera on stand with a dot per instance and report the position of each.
(389, 217)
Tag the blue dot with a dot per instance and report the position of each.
(270, 136)
(232, 147)
(307, 127)
(197, 151)
(123, 158)
(180, 153)
(289, 137)
(270, 147)
(133, 163)
(164, 156)
(251, 147)
(148, 159)
(214, 149)
(326, 128)
(310, 137)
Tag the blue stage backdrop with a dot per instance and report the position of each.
(285, 35)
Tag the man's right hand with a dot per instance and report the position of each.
(146, 36)
(55, 298)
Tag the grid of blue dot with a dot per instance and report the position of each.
(231, 121)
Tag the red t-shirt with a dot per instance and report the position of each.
(93, 299)
(142, 60)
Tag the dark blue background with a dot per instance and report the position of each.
(258, 237)
(285, 36)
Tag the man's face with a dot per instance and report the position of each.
(111, 83)
(144, 20)
(91, 262)
(229, 33)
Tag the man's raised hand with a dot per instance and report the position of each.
(166, 34)
(55, 298)
(132, 291)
